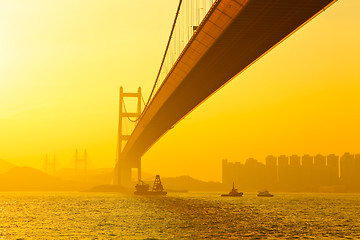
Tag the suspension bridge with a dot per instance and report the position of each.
(211, 42)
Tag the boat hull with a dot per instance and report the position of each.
(150, 193)
(231, 195)
(265, 195)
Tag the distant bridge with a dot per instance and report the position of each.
(211, 42)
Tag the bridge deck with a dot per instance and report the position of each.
(230, 39)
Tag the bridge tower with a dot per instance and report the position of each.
(124, 166)
(79, 160)
(49, 164)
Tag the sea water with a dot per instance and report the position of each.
(178, 216)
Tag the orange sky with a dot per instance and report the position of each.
(62, 62)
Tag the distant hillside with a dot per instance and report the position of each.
(182, 183)
(5, 166)
(30, 179)
(190, 184)
(90, 177)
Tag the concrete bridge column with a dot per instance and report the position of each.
(124, 172)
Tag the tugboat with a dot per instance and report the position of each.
(265, 194)
(143, 188)
(233, 193)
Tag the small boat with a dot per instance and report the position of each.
(143, 188)
(233, 193)
(265, 194)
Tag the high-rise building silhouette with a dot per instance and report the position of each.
(294, 172)
(255, 173)
(346, 168)
(320, 170)
(307, 166)
(231, 172)
(283, 172)
(356, 180)
(318, 173)
(332, 167)
(271, 171)
(226, 175)
(240, 177)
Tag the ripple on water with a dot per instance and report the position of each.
(178, 216)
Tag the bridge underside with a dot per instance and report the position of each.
(256, 27)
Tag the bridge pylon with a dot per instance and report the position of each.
(123, 166)
(79, 160)
(48, 164)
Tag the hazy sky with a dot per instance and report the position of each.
(62, 62)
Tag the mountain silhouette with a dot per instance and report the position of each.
(5, 166)
(30, 179)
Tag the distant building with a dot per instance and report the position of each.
(250, 176)
(295, 160)
(295, 178)
(271, 161)
(320, 170)
(295, 173)
(271, 171)
(347, 169)
(283, 172)
(350, 171)
(308, 172)
(239, 174)
(232, 172)
(307, 161)
(255, 174)
(356, 179)
(332, 167)
(228, 172)
(320, 161)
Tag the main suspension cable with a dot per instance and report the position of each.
(162, 63)
(127, 115)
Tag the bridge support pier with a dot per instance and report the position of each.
(124, 166)
(124, 176)
(139, 171)
(124, 169)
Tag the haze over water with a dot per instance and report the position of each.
(178, 216)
